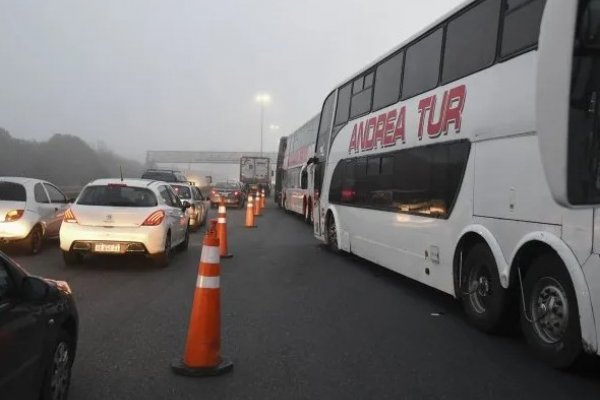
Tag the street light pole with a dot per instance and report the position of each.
(262, 123)
(262, 99)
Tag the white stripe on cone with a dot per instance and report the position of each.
(221, 220)
(208, 282)
(210, 255)
(222, 209)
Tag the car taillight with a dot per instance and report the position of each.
(155, 218)
(13, 215)
(236, 193)
(69, 216)
(214, 192)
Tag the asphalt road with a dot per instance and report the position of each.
(298, 322)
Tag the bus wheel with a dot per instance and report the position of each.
(483, 297)
(331, 235)
(549, 312)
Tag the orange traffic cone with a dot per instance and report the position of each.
(263, 199)
(250, 212)
(222, 230)
(257, 205)
(202, 355)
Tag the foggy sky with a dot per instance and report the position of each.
(182, 74)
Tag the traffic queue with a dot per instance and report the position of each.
(110, 217)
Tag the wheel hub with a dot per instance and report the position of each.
(479, 289)
(59, 382)
(483, 286)
(550, 312)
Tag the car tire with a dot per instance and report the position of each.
(163, 259)
(484, 299)
(554, 338)
(34, 242)
(183, 246)
(308, 214)
(72, 257)
(57, 376)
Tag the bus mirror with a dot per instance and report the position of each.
(552, 97)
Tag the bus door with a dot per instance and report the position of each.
(314, 173)
(320, 159)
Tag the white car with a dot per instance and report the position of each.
(30, 211)
(199, 205)
(113, 216)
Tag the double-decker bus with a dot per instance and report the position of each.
(293, 179)
(468, 159)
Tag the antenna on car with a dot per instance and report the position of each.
(121, 171)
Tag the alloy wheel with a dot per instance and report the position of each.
(61, 373)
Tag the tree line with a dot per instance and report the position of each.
(65, 160)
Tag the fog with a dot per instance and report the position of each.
(141, 75)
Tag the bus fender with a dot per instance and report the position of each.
(502, 265)
(584, 301)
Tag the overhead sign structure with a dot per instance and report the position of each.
(208, 157)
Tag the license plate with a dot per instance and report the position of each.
(107, 247)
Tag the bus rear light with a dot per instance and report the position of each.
(155, 218)
(13, 215)
(69, 217)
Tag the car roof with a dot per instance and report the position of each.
(19, 179)
(127, 181)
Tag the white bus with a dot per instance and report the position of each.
(468, 158)
(294, 179)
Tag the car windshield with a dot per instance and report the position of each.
(117, 196)
(11, 191)
(183, 192)
(226, 186)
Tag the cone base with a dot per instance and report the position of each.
(227, 256)
(178, 367)
(252, 226)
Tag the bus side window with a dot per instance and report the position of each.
(521, 28)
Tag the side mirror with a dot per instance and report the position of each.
(71, 200)
(35, 289)
(186, 205)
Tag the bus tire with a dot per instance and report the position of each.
(484, 299)
(550, 316)
(331, 235)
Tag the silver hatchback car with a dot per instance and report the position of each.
(30, 211)
(199, 204)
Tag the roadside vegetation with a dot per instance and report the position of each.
(65, 160)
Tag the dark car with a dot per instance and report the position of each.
(232, 193)
(165, 175)
(38, 335)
